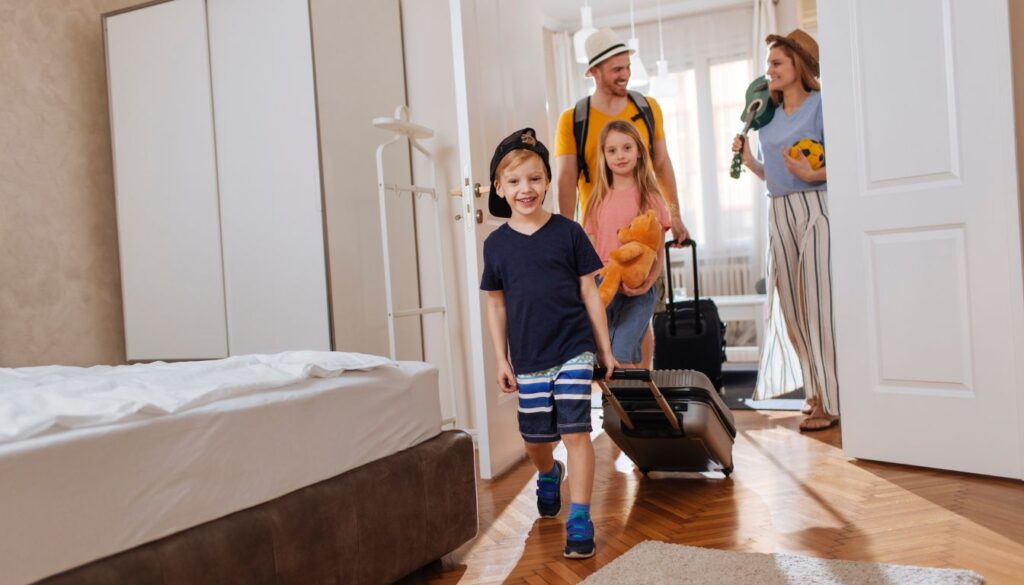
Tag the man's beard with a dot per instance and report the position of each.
(615, 89)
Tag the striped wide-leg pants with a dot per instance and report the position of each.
(801, 271)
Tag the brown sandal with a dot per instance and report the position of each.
(809, 404)
(831, 422)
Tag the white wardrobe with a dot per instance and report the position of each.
(218, 167)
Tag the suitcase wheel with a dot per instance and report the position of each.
(645, 470)
(727, 471)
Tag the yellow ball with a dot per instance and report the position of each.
(812, 149)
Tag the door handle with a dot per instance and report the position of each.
(478, 190)
(479, 216)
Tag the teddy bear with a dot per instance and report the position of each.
(631, 262)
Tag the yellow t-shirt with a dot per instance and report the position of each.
(565, 142)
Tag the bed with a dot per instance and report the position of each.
(301, 467)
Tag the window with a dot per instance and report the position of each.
(736, 197)
(683, 142)
(718, 209)
(724, 214)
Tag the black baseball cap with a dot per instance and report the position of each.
(525, 139)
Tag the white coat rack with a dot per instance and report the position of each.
(403, 128)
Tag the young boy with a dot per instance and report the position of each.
(546, 317)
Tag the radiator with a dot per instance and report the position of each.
(719, 276)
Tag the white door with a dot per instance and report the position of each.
(275, 277)
(498, 51)
(165, 179)
(926, 240)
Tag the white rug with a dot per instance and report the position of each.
(658, 563)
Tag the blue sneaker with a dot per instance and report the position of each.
(579, 537)
(549, 492)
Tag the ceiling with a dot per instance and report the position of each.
(565, 14)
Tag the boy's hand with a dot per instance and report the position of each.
(606, 359)
(506, 377)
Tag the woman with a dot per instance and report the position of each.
(800, 266)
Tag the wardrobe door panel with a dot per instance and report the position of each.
(165, 181)
(269, 175)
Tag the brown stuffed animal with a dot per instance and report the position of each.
(631, 262)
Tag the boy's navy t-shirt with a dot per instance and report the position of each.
(540, 276)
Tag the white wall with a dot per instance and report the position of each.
(694, 37)
(786, 16)
(357, 50)
(430, 88)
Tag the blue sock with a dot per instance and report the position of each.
(579, 510)
(553, 473)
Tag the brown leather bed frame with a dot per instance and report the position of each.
(373, 524)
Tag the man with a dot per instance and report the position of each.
(608, 61)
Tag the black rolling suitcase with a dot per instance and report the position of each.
(689, 335)
(668, 420)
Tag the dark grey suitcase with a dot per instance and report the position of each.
(668, 420)
(689, 335)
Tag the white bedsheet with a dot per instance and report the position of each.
(34, 400)
(71, 496)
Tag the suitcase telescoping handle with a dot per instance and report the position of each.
(698, 324)
(641, 375)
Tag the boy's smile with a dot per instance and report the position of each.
(524, 186)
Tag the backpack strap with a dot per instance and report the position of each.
(646, 114)
(580, 125)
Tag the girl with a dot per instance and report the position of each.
(800, 264)
(624, 188)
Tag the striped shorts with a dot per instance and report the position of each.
(556, 401)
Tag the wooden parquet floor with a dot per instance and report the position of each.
(790, 493)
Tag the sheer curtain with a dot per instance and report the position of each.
(682, 137)
(779, 368)
(570, 82)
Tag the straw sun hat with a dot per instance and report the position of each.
(603, 45)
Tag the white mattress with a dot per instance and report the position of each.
(74, 496)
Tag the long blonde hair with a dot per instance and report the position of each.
(804, 71)
(643, 172)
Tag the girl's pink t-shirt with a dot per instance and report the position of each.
(617, 210)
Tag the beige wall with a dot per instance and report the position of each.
(60, 294)
(1017, 50)
(60, 299)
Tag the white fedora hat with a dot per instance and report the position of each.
(603, 45)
